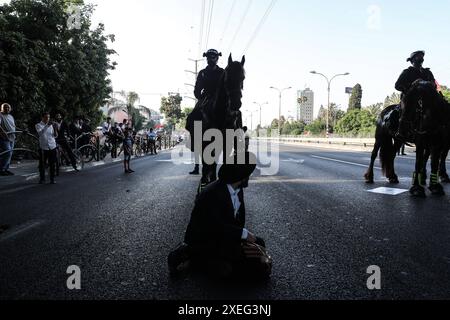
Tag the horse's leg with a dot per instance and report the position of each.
(426, 158)
(443, 167)
(393, 178)
(435, 187)
(369, 174)
(417, 190)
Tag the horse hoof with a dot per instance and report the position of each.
(394, 180)
(418, 192)
(369, 178)
(437, 190)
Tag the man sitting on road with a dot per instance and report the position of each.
(216, 238)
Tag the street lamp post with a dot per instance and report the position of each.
(260, 105)
(251, 119)
(329, 90)
(280, 91)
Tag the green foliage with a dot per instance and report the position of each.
(137, 119)
(375, 109)
(274, 124)
(394, 98)
(317, 127)
(293, 128)
(357, 122)
(184, 114)
(171, 108)
(356, 98)
(46, 66)
(446, 92)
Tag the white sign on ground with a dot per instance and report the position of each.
(388, 191)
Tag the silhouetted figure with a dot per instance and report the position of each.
(414, 73)
(62, 132)
(208, 79)
(216, 238)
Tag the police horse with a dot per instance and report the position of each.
(426, 120)
(220, 112)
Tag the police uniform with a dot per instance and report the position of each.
(410, 75)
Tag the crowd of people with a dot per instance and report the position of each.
(66, 136)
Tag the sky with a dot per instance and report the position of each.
(369, 39)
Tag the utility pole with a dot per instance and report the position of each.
(195, 72)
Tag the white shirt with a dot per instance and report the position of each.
(106, 127)
(8, 125)
(46, 136)
(237, 205)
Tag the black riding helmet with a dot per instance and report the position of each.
(414, 54)
(212, 53)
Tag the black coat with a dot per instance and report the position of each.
(213, 225)
(208, 82)
(410, 75)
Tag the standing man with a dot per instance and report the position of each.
(47, 147)
(62, 132)
(152, 136)
(414, 73)
(7, 139)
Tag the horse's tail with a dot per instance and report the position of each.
(387, 152)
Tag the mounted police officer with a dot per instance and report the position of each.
(208, 79)
(408, 77)
(205, 89)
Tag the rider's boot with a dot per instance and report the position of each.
(196, 170)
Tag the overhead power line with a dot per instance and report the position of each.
(202, 26)
(210, 16)
(240, 24)
(260, 24)
(227, 23)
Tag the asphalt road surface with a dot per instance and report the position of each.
(321, 224)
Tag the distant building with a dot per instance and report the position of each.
(305, 105)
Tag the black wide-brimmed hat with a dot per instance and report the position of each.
(415, 53)
(234, 170)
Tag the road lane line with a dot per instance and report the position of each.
(14, 232)
(344, 162)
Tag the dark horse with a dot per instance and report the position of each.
(220, 112)
(424, 116)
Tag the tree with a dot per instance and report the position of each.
(446, 92)
(375, 109)
(128, 107)
(355, 98)
(47, 66)
(171, 108)
(335, 114)
(185, 113)
(357, 122)
(317, 127)
(274, 124)
(393, 99)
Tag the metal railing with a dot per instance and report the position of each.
(21, 145)
(356, 142)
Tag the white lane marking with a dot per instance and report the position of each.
(294, 161)
(344, 162)
(9, 234)
(388, 191)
